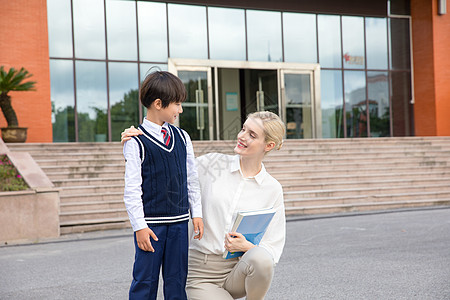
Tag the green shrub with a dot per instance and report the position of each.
(10, 179)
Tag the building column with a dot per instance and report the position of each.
(431, 56)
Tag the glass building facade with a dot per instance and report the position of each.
(100, 51)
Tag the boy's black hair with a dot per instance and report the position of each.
(161, 85)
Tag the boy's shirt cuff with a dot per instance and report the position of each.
(139, 224)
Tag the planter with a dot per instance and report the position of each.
(14, 134)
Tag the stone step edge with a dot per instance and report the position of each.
(372, 182)
(364, 189)
(93, 221)
(334, 198)
(406, 202)
(90, 212)
(87, 203)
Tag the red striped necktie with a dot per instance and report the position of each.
(166, 136)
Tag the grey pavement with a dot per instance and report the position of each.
(389, 255)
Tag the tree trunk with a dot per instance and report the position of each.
(8, 111)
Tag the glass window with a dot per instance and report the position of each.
(298, 106)
(376, 43)
(63, 103)
(89, 28)
(187, 31)
(400, 7)
(353, 42)
(91, 101)
(378, 89)
(400, 42)
(121, 29)
(300, 41)
(329, 28)
(123, 97)
(264, 35)
(355, 103)
(402, 109)
(59, 28)
(149, 68)
(331, 103)
(194, 118)
(226, 33)
(152, 19)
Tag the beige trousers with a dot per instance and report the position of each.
(212, 277)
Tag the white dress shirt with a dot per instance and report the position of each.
(225, 192)
(133, 178)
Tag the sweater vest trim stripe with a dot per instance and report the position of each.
(158, 143)
(160, 220)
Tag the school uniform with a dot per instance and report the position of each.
(162, 193)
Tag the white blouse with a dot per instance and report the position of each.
(225, 192)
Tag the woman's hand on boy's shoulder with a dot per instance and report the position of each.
(128, 133)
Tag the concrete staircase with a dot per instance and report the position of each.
(318, 176)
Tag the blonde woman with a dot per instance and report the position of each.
(229, 184)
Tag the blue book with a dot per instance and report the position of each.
(253, 225)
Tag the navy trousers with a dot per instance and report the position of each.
(171, 255)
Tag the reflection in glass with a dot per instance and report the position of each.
(264, 35)
(152, 22)
(376, 43)
(187, 31)
(121, 29)
(146, 69)
(300, 43)
(62, 97)
(400, 7)
(329, 41)
(123, 97)
(298, 106)
(59, 28)
(261, 91)
(355, 103)
(89, 28)
(402, 109)
(378, 91)
(400, 42)
(226, 33)
(353, 42)
(194, 118)
(91, 101)
(331, 104)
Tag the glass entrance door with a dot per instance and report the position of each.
(196, 118)
(290, 90)
(298, 100)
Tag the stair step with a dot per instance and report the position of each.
(94, 225)
(399, 197)
(81, 216)
(92, 205)
(119, 181)
(327, 209)
(365, 191)
(347, 184)
(81, 197)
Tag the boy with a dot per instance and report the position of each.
(161, 182)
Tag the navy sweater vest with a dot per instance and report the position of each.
(164, 177)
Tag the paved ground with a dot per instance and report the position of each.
(395, 255)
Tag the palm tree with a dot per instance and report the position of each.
(12, 81)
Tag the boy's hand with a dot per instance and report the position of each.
(143, 239)
(198, 227)
(128, 133)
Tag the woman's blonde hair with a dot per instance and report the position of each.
(274, 128)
